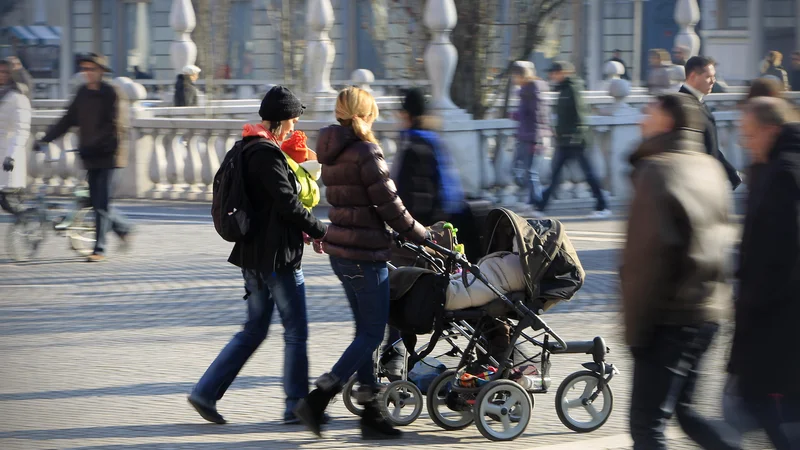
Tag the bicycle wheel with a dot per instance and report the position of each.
(26, 235)
(81, 233)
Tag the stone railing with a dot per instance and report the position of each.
(177, 158)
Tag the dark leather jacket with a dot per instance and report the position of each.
(363, 198)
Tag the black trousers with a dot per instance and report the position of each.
(664, 381)
(101, 182)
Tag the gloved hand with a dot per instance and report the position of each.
(8, 164)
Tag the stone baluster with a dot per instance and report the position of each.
(34, 159)
(52, 155)
(210, 162)
(158, 162)
(66, 164)
(363, 78)
(441, 56)
(504, 165)
(687, 15)
(193, 165)
(485, 168)
(320, 51)
(183, 51)
(176, 163)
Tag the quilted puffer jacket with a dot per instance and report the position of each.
(363, 198)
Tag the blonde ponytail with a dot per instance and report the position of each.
(357, 108)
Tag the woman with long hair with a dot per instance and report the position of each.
(363, 201)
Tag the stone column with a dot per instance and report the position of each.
(143, 36)
(595, 44)
(441, 56)
(755, 25)
(687, 14)
(638, 13)
(578, 38)
(320, 51)
(67, 60)
(97, 26)
(183, 51)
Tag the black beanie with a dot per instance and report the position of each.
(280, 104)
(414, 102)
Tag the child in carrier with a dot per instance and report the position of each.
(303, 162)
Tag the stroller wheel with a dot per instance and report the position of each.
(574, 406)
(401, 403)
(503, 410)
(349, 397)
(441, 413)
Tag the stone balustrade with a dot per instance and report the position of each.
(176, 158)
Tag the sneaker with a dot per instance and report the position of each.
(294, 420)
(600, 214)
(95, 257)
(207, 410)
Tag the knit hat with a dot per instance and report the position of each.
(562, 66)
(95, 58)
(280, 104)
(414, 102)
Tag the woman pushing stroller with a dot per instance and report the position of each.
(363, 201)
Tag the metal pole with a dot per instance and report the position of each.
(638, 13)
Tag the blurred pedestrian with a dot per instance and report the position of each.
(270, 260)
(720, 85)
(794, 72)
(533, 116)
(363, 202)
(765, 374)
(616, 56)
(15, 110)
(660, 76)
(100, 111)
(764, 87)
(772, 67)
(700, 79)
(571, 137)
(681, 54)
(21, 76)
(673, 274)
(185, 90)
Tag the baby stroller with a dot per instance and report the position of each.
(500, 407)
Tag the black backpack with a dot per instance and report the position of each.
(230, 208)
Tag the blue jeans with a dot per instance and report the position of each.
(101, 182)
(560, 157)
(366, 285)
(526, 171)
(285, 289)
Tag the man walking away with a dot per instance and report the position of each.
(571, 136)
(100, 111)
(15, 110)
(763, 358)
(700, 78)
(673, 275)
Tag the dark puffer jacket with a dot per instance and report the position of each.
(363, 198)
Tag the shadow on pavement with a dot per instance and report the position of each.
(133, 390)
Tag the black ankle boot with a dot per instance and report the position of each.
(311, 410)
(374, 426)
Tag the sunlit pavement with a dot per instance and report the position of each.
(102, 356)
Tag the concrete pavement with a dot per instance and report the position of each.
(101, 356)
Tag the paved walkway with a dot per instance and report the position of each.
(102, 356)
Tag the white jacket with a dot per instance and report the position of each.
(15, 126)
(502, 269)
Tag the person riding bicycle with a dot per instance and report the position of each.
(100, 111)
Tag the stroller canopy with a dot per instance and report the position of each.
(550, 264)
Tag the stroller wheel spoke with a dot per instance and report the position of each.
(592, 411)
(493, 409)
(569, 404)
(588, 390)
(506, 421)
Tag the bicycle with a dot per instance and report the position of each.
(32, 218)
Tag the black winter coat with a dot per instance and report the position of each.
(711, 141)
(766, 341)
(278, 217)
(418, 181)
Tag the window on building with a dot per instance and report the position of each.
(138, 39)
(240, 40)
(735, 14)
(618, 30)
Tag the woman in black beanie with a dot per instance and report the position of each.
(269, 259)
